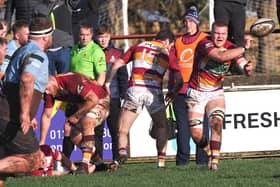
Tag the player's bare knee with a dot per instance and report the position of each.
(123, 131)
(216, 120)
(216, 127)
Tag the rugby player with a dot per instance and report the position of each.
(205, 94)
(93, 105)
(150, 61)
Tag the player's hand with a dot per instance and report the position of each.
(25, 123)
(34, 123)
(248, 41)
(73, 120)
(169, 97)
(248, 68)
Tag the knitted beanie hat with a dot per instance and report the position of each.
(192, 14)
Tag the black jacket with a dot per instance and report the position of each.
(83, 11)
(22, 8)
(62, 36)
(243, 2)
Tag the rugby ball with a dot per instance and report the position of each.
(262, 27)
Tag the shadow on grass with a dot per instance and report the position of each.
(276, 176)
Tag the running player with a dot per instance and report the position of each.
(150, 61)
(213, 57)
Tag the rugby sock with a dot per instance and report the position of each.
(86, 156)
(215, 147)
(122, 155)
(67, 146)
(87, 148)
(161, 159)
(122, 151)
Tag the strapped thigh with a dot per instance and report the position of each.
(195, 123)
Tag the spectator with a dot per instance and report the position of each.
(83, 11)
(89, 59)
(118, 84)
(184, 50)
(47, 163)
(93, 105)
(150, 61)
(22, 8)
(4, 28)
(20, 37)
(205, 94)
(232, 13)
(25, 80)
(59, 53)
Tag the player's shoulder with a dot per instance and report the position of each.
(206, 42)
(229, 45)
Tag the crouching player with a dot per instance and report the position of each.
(93, 104)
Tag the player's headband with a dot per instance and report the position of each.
(41, 33)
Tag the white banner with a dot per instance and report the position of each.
(252, 123)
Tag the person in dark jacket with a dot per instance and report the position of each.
(232, 13)
(22, 8)
(86, 11)
(60, 14)
(118, 85)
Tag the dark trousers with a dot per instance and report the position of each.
(98, 138)
(112, 122)
(234, 15)
(184, 135)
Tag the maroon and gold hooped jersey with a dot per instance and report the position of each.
(208, 74)
(150, 60)
(73, 87)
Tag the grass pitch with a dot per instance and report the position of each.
(247, 173)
